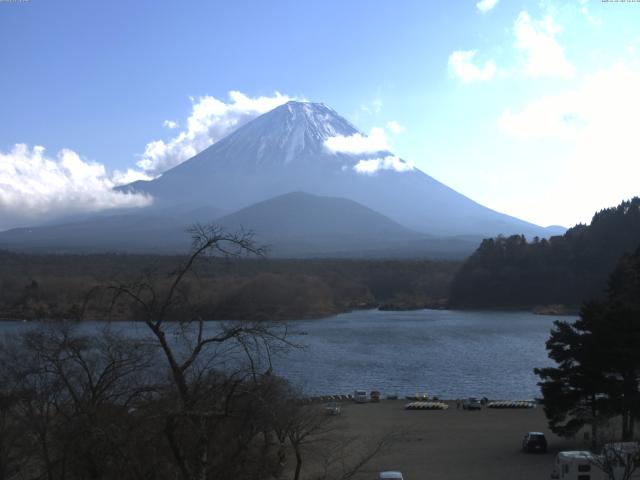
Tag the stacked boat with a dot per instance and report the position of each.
(426, 406)
(511, 404)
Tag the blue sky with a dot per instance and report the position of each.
(527, 107)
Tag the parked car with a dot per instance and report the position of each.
(390, 475)
(332, 408)
(471, 403)
(375, 396)
(360, 396)
(534, 442)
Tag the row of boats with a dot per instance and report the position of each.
(436, 405)
(419, 402)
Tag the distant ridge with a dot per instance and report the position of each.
(294, 225)
(132, 232)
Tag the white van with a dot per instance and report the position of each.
(577, 465)
(583, 465)
(360, 396)
(390, 475)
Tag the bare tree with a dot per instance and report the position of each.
(319, 439)
(307, 424)
(345, 457)
(617, 459)
(10, 435)
(186, 399)
(202, 401)
(70, 397)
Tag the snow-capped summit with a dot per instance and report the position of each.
(318, 121)
(293, 131)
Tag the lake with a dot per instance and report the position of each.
(445, 352)
(449, 353)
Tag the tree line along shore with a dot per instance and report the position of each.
(56, 286)
(549, 276)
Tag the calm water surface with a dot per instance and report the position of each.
(445, 352)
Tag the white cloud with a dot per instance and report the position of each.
(395, 127)
(391, 162)
(597, 124)
(373, 107)
(485, 5)
(462, 65)
(357, 143)
(542, 55)
(584, 10)
(34, 186)
(128, 176)
(211, 119)
(553, 116)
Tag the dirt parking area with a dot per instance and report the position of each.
(454, 444)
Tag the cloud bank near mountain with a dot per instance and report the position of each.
(390, 162)
(211, 119)
(36, 187)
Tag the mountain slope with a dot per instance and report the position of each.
(300, 214)
(285, 150)
(140, 232)
(300, 224)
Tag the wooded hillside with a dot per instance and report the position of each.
(515, 273)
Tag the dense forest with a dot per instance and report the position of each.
(56, 286)
(563, 270)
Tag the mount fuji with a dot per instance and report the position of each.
(285, 150)
(293, 176)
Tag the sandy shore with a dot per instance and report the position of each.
(454, 444)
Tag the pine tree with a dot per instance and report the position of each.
(598, 360)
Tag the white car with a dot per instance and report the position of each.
(390, 475)
(360, 396)
(332, 408)
(471, 403)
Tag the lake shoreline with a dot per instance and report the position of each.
(441, 305)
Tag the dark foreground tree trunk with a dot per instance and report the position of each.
(298, 463)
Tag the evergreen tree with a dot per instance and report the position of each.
(622, 338)
(598, 360)
(575, 391)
